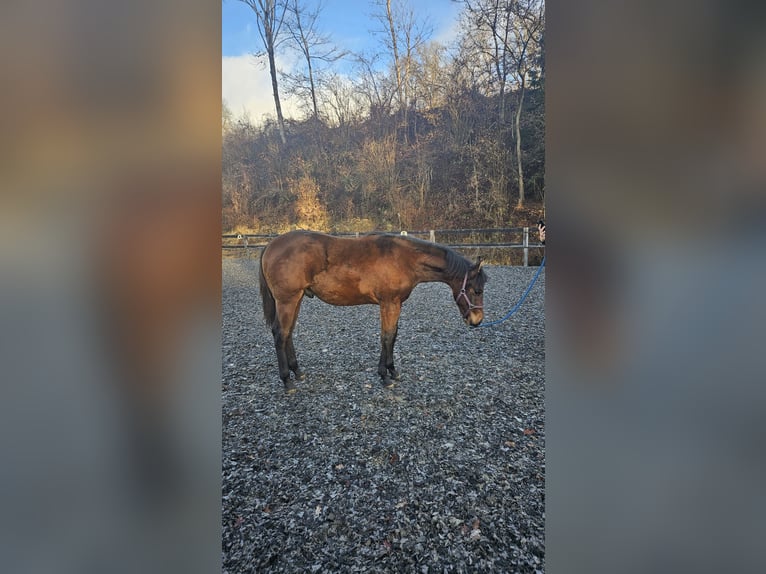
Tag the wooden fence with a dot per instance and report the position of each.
(494, 238)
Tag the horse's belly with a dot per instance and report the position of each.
(342, 299)
(344, 292)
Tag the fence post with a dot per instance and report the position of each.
(431, 236)
(243, 239)
(356, 234)
(526, 246)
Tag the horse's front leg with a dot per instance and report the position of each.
(389, 327)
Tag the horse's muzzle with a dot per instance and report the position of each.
(474, 319)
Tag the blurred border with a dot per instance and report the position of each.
(110, 178)
(656, 131)
(110, 175)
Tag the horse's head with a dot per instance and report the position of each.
(469, 294)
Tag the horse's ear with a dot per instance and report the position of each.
(479, 264)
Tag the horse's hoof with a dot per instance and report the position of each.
(290, 388)
(300, 375)
(388, 383)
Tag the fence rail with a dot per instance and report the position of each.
(243, 240)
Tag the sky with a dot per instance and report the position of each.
(246, 85)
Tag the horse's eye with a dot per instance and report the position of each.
(478, 291)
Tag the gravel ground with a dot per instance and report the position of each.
(444, 473)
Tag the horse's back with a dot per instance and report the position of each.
(340, 271)
(292, 240)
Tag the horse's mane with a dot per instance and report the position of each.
(455, 265)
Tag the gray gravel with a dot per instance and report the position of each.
(444, 473)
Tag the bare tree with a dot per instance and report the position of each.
(526, 45)
(302, 28)
(395, 52)
(403, 36)
(270, 15)
(375, 90)
(489, 25)
(342, 104)
(430, 76)
(509, 33)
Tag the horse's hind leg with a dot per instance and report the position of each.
(292, 360)
(282, 329)
(279, 343)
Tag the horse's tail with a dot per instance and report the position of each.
(269, 305)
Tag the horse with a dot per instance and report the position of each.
(380, 269)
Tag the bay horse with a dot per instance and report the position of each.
(380, 269)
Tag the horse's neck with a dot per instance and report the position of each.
(433, 268)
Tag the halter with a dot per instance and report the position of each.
(462, 293)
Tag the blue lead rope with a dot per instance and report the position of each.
(524, 296)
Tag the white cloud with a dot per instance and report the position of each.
(246, 88)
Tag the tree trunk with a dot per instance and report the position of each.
(397, 69)
(520, 203)
(501, 113)
(275, 90)
(313, 89)
(395, 50)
